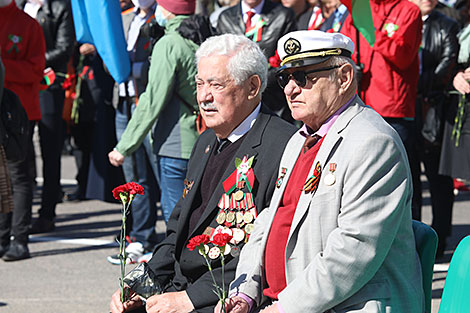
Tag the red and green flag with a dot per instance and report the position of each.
(362, 18)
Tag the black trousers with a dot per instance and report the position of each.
(22, 175)
(51, 138)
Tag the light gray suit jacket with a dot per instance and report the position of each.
(351, 245)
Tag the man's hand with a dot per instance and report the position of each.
(461, 81)
(117, 307)
(233, 305)
(87, 49)
(116, 158)
(170, 302)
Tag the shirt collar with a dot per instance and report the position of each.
(245, 126)
(257, 9)
(323, 130)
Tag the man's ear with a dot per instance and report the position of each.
(254, 83)
(346, 77)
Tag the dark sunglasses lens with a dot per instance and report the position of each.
(300, 78)
(283, 79)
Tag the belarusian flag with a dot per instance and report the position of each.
(362, 18)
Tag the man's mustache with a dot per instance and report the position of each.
(208, 106)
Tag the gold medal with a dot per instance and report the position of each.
(221, 218)
(249, 228)
(239, 217)
(248, 217)
(238, 195)
(230, 217)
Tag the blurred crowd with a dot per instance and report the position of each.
(415, 75)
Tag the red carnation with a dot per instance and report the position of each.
(196, 241)
(134, 188)
(118, 190)
(128, 189)
(221, 239)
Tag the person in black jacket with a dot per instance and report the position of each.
(438, 59)
(55, 18)
(269, 21)
(229, 96)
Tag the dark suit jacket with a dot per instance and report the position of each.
(172, 263)
(279, 21)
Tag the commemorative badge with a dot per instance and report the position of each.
(330, 178)
(188, 185)
(311, 184)
(390, 28)
(281, 177)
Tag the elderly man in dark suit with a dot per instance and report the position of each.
(231, 76)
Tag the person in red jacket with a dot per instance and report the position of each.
(23, 54)
(391, 66)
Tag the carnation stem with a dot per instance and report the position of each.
(122, 250)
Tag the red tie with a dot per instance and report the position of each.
(248, 21)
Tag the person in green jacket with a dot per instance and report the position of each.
(165, 106)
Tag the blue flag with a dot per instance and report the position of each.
(99, 23)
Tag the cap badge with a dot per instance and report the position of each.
(291, 46)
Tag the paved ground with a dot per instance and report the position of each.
(68, 271)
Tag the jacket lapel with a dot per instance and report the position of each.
(328, 147)
(197, 175)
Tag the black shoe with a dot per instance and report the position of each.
(76, 196)
(42, 225)
(3, 250)
(16, 251)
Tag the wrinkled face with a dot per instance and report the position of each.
(223, 103)
(317, 100)
(426, 6)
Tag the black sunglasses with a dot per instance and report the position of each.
(300, 77)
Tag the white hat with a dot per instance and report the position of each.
(308, 47)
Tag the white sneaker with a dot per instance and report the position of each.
(145, 258)
(134, 251)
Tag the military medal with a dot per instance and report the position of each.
(227, 249)
(312, 183)
(221, 217)
(248, 217)
(239, 217)
(330, 178)
(214, 253)
(249, 228)
(239, 195)
(230, 217)
(238, 235)
(281, 177)
(235, 251)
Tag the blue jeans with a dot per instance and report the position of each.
(172, 172)
(144, 209)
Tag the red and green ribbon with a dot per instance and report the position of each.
(244, 172)
(256, 31)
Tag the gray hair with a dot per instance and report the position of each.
(246, 58)
(338, 61)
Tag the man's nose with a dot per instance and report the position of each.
(204, 93)
(291, 88)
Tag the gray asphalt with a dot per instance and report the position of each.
(68, 271)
